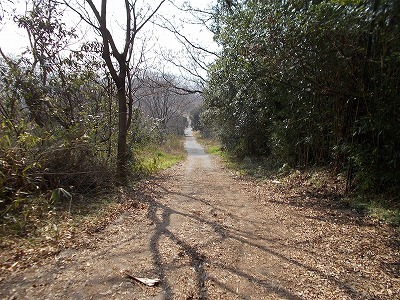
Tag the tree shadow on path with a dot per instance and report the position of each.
(160, 214)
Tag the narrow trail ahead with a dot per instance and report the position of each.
(209, 234)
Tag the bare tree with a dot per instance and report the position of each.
(118, 61)
(195, 55)
(162, 102)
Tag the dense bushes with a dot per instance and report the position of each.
(65, 138)
(311, 83)
(37, 157)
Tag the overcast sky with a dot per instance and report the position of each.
(159, 42)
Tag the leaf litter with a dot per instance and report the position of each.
(223, 237)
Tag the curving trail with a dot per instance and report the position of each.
(209, 234)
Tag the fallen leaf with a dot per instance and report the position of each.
(12, 266)
(146, 281)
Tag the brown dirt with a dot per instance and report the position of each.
(208, 233)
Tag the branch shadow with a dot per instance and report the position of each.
(197, 260)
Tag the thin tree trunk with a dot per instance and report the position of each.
(119, 73)
(122, 168)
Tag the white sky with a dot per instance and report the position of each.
(13, 40)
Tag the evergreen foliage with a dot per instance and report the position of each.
(310, 83)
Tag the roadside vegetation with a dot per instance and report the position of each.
(42, 224)
(305, 92)
(332, 185)
(153, 158)
(301, 86)
(66, 156)
(211, 145)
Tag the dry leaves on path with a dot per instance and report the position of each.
(202, 232)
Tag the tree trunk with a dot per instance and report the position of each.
(122, 168)
(119, 75)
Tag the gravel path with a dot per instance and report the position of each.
(209, 234)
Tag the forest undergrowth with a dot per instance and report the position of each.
(44, 227)
(330, 186)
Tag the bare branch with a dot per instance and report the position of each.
(175, 31)
(150, 16)
(86, 19)
(128, 28)
(191, 9)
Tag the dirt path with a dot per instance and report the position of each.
(208, 234)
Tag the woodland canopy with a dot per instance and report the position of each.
(310, 83)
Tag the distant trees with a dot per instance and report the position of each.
(160, 100)
(310, 83)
